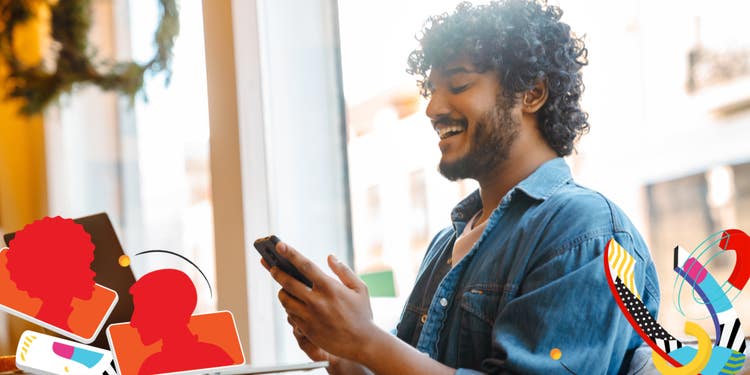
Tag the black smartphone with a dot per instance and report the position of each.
(266, 246)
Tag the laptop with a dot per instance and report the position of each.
(256, 370)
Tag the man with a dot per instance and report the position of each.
(518, 279)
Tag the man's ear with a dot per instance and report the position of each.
(535, 98)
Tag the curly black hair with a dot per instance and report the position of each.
(524, 42)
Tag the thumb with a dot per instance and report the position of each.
(345, 274)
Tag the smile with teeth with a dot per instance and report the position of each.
(449, 131)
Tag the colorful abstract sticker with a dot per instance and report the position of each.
(727, 354)
(38, 353)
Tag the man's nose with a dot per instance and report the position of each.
(438, 106)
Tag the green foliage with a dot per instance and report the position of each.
(76, 61)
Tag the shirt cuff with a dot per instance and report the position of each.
(466, 371)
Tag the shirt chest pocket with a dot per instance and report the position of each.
(479, 304)
(479, 308)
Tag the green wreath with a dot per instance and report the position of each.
(76, 60)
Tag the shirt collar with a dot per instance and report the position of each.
(539, 185)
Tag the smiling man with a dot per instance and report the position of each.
(518, 278)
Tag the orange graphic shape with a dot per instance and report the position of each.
(555, 354)
(85, 319)
(215, 328)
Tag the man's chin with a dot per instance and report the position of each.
(455, 170)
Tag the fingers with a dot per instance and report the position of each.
(295, 322)
(292, 305)
(298, 334)
(291, 323)
(345, 274)
(283, 279)
(304, 265)
(290, 284)
(312, 350)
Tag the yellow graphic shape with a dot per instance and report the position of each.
(705, 348)
(25, 346)
(124, 261)
(623, 265)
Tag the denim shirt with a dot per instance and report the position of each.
(533, 282)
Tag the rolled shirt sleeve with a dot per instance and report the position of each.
(565, 303)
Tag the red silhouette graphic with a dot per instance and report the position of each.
(50, 259)
(164, 301)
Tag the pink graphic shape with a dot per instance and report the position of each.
(695, 270)
(65, 351)
(85, 357)
(739, 242)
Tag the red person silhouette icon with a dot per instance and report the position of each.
(50, 259)
(163, 302)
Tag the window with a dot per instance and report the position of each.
(146, 165)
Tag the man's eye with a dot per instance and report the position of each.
(458, 89)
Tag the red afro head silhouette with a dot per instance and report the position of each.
(51, 259)
(163, 302)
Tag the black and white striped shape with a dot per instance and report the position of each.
(732, 337)
(668, 345)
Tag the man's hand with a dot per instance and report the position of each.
(333, 321)
(332, 317)
(313, 351)
(336, 365)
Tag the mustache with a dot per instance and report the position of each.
(448, 121)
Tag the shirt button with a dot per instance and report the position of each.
(423, 319)
(443, 302)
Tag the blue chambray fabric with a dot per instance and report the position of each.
(533, 281)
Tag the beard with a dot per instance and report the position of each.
(493, 136)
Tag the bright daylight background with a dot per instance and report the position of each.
(667, 89)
